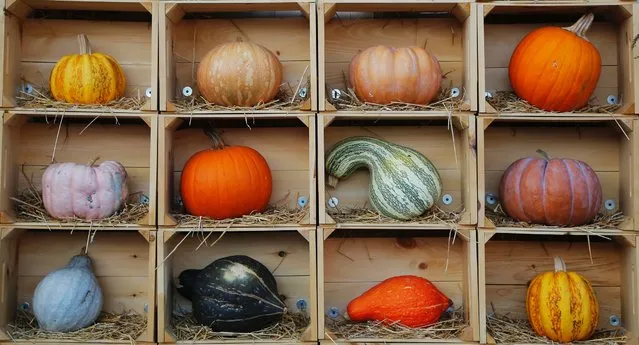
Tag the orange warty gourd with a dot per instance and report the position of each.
(225, 181)
(562, 306)
(383, 75)
(239, 74)
(556, 69)
(410, 300)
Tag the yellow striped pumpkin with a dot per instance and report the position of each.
(562, 305)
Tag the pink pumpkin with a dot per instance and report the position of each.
(88, 192)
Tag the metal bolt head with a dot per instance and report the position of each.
(332, 202)
(301, 304)
(333, 312)
(612, 99)
(336, 94)
(614, 320)
(144, 199)
(491, 199)
(148, 92)
(610, 205)
(447, 199)
(302, 201)
(187, 91)
(454, 92)
(303, 92)
(488, 94)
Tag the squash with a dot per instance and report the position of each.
(404, 183)
(233, 294)
(241, 74)
(383, 75)
(225, 181)
(562, 305)
(558, 191)
(87, 78)
(409, 300)
(85, 191)
(69, 298)
(556, 69)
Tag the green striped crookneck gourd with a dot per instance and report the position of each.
(404, 183)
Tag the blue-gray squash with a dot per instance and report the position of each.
(233, 294)
(68, 298)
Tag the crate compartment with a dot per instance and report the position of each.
(449, 146)
(39, 33)
(288, 254)
(189, 29)
(32, 142)
(508, 262)
(123, 261)
(446, 30)
(609, 146)
(350, 262)
(612, 33)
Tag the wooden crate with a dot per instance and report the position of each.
(123, 261)
(352, 261)
(289, 254)
(509, 260)
(608, 145)
(40, 32)
(502, 25)
(449, 145)
(446, 28)
(287, 144)
(189, 29)
(31, 142)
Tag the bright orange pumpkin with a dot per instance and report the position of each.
(383, 75)
(226, 182)
(556, 69)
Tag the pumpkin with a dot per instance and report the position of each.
(383, 75)
(87, 78)
(84, 191)
(404, 183)
(558, 191)
(561, 305)
(225, 181)
(409, 300)
(239, 74)
(233, 294)
(68, 298)
(556, 69)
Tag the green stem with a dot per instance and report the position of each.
(544, 154)
(214, 135)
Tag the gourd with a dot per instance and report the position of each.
(69, 298)
(556, 69)
(562, 305)
(87, 78)
(225, 181)
(239, 74)
(404, 183)
(557, 191)
(84, 191)
(409, 300)
(233, 294)
(383, 75)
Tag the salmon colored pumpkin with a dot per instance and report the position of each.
(87, 78)
(383, 75)
(558, 191)
(562, 306)
(556, 69)
(225, 181)
(410, 300)
(239, 74)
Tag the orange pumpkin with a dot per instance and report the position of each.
(239, 74)
(225, 181)
(383, 75)
(556, 69)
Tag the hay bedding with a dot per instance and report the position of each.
(42, 99)
(509, 102)
(349, 101)
(434, 215)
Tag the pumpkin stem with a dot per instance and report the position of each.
(85, 45)
(544, 154)
(582, 25)
(93, 161)
(560, 265)
(215, 137)
(332, 181)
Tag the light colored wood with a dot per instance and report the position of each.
(23, 7)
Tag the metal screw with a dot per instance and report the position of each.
(610, 204)
(454, 92)
(447, 199)
(28, 88)
(490, 199)
(488, 94)
(614, 320)
(187, 91)
(333, 202)
(302, 201)
(144, 199)
(303, 92)
(336, 94)
(301, 304)
(333, 312)
(146, 308)
(149, 92)
(612, 99)
(25, 306)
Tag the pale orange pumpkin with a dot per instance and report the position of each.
(239, 74)
(556, 69)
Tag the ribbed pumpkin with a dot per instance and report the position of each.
(84, 191)
(233, 294)
(562, 306)
(404, 183)
(239, 74)
(410, 300)
(558, 191)
(384, 75)
(69, 298)
(556, 69)
(225, 181)
(87, 78)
